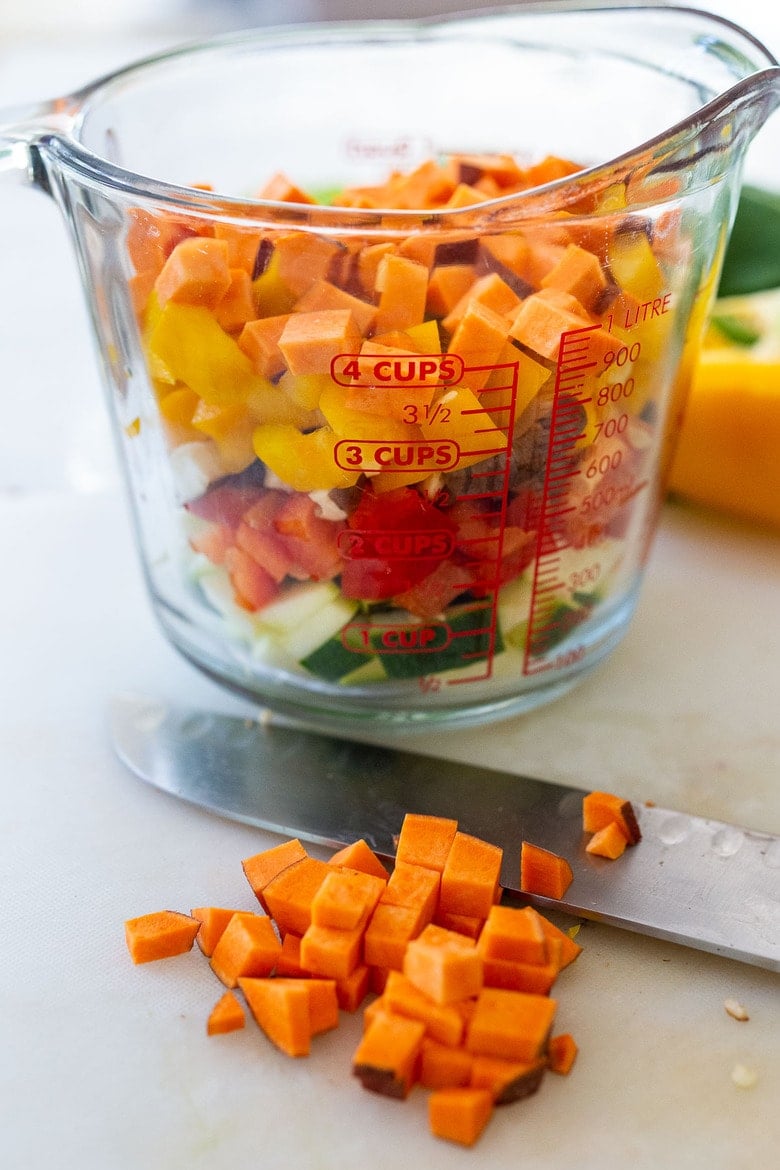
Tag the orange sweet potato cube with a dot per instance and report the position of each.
(310, 341)
(346, 899)
(352, 990)
(281, 1009)
(160, 935)
(248, 946)
(600, 809)
(403, 289)
(507, 1080)
(227, 1015)
(425, 840)
(609, 842)
(578, 272)
(213, 921)
(331, 952)
(259, 340)
(197, 272)
(263, 867)
(324, 295)
(359, 855)
(445, 965)
(414, 885)
(543, 873)
(479, 339)
(288, 963)
(471, 877)
(443, 1022)
(289, 895)
(443, 1066)
(388, 934)
(514, 1025)
(237, 306)
(562, 1053)
(386, 1058)
(512, 932)
(282, 189)
(459, 1114)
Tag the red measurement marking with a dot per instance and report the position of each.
(573, 368)
(395, 544)
(404, 371)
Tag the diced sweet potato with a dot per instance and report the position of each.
(288, 963)
(227, 1015)
(471, 876)
(445, 965)
(543, 873)
(507, 1080)
(386, 1057)
(351, 991)
(578, 272)
(443, 1022)
(414, 885)
(479, 340)
(264, 867)
(346, 899)
(562, 1053)
(248, 946)
(329, 951)
(196, 273)
(514, 1025)
(403, 289)
(259, 339)
(459, 1114)
(388, 933)
(310, 341)
(443, 1066)
(514, 933)
(360, 856)
(600, 809)
(425, 840)
(281, 1009)
(324, 295)
(160, 935)
(213, 920)
(289, 895)
(609, 842)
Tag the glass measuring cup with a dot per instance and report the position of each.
(397, 457)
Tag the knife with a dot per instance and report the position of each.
(690, 880)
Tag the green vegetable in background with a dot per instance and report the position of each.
(752, 261)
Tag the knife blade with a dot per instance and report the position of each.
(694, 881)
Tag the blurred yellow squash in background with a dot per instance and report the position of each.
(728, 454)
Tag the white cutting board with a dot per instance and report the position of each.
(104, 1064)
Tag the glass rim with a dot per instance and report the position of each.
(60, 136)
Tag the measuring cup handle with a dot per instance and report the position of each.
(21, 131)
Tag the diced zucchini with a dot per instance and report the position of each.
(321, 626)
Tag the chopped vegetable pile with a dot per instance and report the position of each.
(358, 423)
(459, 983)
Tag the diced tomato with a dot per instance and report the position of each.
(264, 509)
(429, 597)
(494, 552)
(310, 541)
(225, 503)
(213, 542)
(400, 538)
(518, 549)
(525, 510)
(253, 586)
(265, 548)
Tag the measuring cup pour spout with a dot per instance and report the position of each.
(396, 455)
(23, 134)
